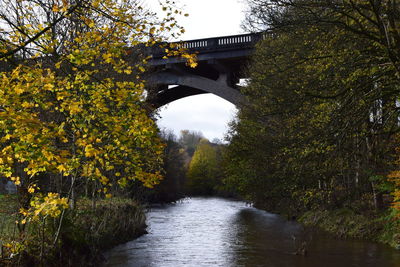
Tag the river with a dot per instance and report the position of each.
(220, 232)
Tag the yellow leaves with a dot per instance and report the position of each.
(19, 90)
(65, 153)
(87, 170)
(48, 87)
(61, 168)
(81, 142)
(16, 180)
(10, 160)
(394, 177)
(128, 71)
(49, 113)
(42, 207)
(26, 104)
(394, 174)
(101, 106)
(122, 182)
(97, 172)
(14, 247)
(90, 151)
(96, 4)
(24, 212)
(141, 69)
(55, 8)
(109, 167)
(32, 171)
(191, 59)
(74, 108)
(104, 180)
(192, 64)
(108, 57)
(29, 138)
(48, 155)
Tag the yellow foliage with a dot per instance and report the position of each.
(51, 205)
(74, 117)
(14, 247)
(394, 176)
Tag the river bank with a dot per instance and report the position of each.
(345, 219)
(91, 231)
(345, 223)
(85, 234)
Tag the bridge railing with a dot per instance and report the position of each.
(215, 44)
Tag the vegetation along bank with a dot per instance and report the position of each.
(319, 133)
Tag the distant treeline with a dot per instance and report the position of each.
(192, 166)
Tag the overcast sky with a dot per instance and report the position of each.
(206, 113)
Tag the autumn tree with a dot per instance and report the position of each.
(395, 178)
(72, 93)
(203, 169)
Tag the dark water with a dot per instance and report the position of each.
(219, 232)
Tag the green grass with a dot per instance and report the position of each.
(8, 216)
(344, 223)
(87, 231)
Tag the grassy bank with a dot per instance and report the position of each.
(345, 223)
(8, 215)
(88, 231)
(85, 233)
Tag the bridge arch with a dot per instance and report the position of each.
(172, 86)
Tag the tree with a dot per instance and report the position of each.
(321, 106)
(72, 98)
(203, 169)
(172, 187)
(189, 140)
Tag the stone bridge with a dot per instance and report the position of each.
(221, 64)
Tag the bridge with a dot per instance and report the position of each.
(221, 62)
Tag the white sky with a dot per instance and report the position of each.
(206, 113)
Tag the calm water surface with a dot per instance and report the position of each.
(220, 232)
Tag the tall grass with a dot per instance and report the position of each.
(8, 216)
(85, 232)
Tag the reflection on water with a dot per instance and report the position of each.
(221, 232)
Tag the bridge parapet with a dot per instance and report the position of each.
(215, 44)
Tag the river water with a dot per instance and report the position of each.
(219, 232)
